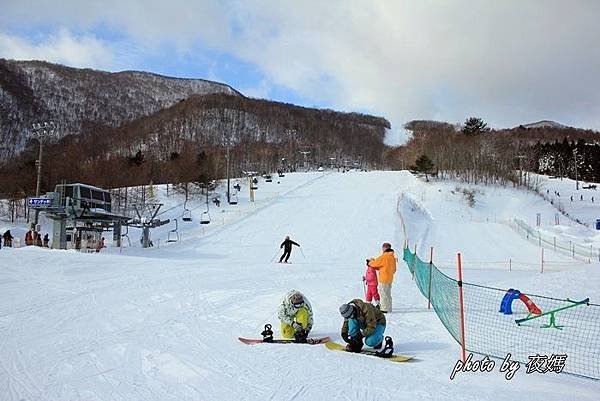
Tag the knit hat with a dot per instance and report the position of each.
(297, 299)
(347, 310)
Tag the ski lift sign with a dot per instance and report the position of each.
(39, 202)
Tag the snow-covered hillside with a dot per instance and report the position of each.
(162, 323)
(75, 98)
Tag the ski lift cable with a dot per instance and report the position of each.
(182, 204)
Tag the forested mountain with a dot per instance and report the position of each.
(132, 128)
(81, 101)
(490, 155)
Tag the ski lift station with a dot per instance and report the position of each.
(80, 213)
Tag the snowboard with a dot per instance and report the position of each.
(310, 341)
(394, 358)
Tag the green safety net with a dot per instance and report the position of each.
(489, 332)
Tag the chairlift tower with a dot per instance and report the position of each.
(43, 133)
(147, 220)
(305, 153)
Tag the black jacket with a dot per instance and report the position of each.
(287, 245)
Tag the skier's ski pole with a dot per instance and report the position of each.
(274, 256)
(302, 252)
(365, 287)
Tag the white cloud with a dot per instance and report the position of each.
(507, 61)
(62, 47)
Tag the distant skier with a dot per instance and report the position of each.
(370, 279)
(386, 264)
(29, 238)
(296, 316)
(362, 320)
(100, 245)
(46, 241)
(287, 249)
(7, 237)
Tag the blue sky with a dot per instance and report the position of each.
(509, 62)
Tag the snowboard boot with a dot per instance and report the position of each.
(300, 336)
(355, 344)
(378, 346)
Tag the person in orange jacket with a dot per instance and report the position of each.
(386, 265)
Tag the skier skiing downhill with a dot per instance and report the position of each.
(287, 248)
(370, 279)
(362, 320)
(296, 316)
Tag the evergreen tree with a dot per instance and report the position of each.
(474, 126)
(424, 165)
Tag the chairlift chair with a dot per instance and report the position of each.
(233, 198)
(173, 235)
(126, 236)
(205, 218)
(269, 178)
(187, 213)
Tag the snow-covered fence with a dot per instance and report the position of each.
(562, 245)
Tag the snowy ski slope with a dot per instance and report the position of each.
(162, 324)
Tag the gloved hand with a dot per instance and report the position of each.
(297, 326)
(368, 260)
(346, 337)
(355, 345)
(301, 336)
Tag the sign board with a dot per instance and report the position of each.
(39, 202)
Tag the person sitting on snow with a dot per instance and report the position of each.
(362, 320)
(296, 316)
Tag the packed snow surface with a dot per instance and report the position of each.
(162, 323)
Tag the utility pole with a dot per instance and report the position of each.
(576, 178)
(44, 132)
(520, 157)
(227, 142)
(228, 181)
